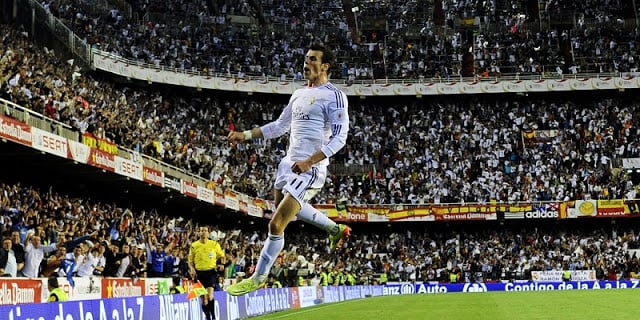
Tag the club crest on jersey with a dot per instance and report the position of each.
(312, 100)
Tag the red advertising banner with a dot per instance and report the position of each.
(611, 208)
(100, 144)
(466, 216)
(348, 216)
(295, 298)
(190, 189)
(153, 176)
(14, 291)
(411, 214)
(265, 205)
(15, 131)
(218, 198)
(244, 208)
(102, 160)
(466, 208)
(122, 287)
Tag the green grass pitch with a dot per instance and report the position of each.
(613, 304)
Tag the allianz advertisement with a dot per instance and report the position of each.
(424, 288)
(162, 307)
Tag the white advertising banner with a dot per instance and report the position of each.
(85, 288)
(232, 203)
(603, 83)
(254, 211)
(79, 151)
(492, 87)
(581, 84)
(364, 90)
(307, 296)
(559, 85)
(427, 89)
(514, 86)
(205, 194)
(556, 275)
(383, 90)
(105, 61)
(49, 142)
(470, 87)
(631, 163)
(536, 85)
(449, 88)
(627, 83)
(128, 168)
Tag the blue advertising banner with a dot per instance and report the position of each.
(162, 307)
(426, 288)
(332, 294)
(271, 300)
(252, 304)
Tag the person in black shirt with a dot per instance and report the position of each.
(18, 250)
(111, 258)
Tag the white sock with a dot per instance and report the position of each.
(312, 216)
(272, 247)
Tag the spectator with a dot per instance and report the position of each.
(90, 263)
(74, 259)
(101, 261)
(54, 261)
(156, 260)
(8, 264)
(139, 262)
(112, 259)
(34, 254)
(124, 262)
(18, 250)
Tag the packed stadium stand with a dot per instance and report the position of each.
(402, 151)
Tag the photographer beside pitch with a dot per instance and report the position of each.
(317, 120)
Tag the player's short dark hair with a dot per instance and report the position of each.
(327, 54)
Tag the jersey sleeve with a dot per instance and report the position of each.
(338, 114)
(281, 125)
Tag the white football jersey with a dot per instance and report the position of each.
(317, 118)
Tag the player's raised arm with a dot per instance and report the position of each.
(270, 130)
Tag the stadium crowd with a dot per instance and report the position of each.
(45, 232)
(508, 39)
(436, 150)
(468, 149)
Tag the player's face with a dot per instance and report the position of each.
(313, 66)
